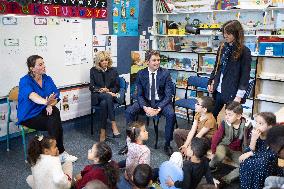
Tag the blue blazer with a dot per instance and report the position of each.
(236, 75)
(164, 86)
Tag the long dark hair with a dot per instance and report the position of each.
(104, 154)
(235, 28)
(37, 146)
(31, 62)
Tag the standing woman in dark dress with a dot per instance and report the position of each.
(104, 85)
(230, 77)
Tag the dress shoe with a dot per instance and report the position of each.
(123, 150)
(168, 150)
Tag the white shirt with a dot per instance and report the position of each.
(150, 84)
(47, 173)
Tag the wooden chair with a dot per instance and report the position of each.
(13, 97)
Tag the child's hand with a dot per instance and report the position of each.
(244, 156)
(183, 149)
(216, 182)
(170, 182)
(255, 134)
(78, 177)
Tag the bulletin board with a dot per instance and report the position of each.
(64, 44)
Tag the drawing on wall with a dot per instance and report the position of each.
(65, 103)
(73, 56)
(138, 63)
(11, 42)
(9, 21)
(97, 49)
(99, 40)
(143, 44)
(106, 43)
(53, 21)
(40, 21)
(40, 41)
(125, 17)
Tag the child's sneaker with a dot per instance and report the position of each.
(67, 157)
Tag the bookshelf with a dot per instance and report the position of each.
(194, 54)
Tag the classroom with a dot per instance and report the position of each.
(141, 94)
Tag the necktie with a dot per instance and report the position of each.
(153, 87)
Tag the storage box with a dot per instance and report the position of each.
(172, 31)
(271, 48)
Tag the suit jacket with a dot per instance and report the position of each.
(97, 81)
(236, 75)
(164, 87)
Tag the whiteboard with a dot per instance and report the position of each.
(64, 44)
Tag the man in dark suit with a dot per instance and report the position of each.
(154, 95)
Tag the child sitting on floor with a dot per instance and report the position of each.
(142, 177)
(103, 168)
(195, 168)
(204, 124)
(172, 168)
(259, 161)
(228, 140)
(43, 156)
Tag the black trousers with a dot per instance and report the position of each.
(106, 103)
(219, 103)
(50, 123)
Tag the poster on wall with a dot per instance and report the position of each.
(106, 43)
(137, 63)
(125, 17)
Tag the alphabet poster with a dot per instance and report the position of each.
(125, 17)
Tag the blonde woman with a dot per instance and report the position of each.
(104, 85)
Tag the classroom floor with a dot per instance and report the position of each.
(77, 140)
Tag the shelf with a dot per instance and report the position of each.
(266, 79)
(269, 101)
(191, 71)
(221, 11)
(253, 55)
(204, 73)
(197, 90)
(210, 35)
(188, 52)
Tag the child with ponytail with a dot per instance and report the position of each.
(137, 151)
(43, 156)
(103, 168)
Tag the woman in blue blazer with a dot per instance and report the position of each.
(230, 77)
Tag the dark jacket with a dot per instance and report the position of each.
(164, 87)
(100, 79)
(236, 75)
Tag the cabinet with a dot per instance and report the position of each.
(189, 54)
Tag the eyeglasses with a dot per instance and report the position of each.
(198, 104)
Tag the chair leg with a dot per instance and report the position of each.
(176, 122)
(24, 142)
(156, 131)
(187, 115)
(147, 121)
(8, 137)
(92, 120)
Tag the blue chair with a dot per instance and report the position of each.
(13, 97)
(123, 85)
(194, 83)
